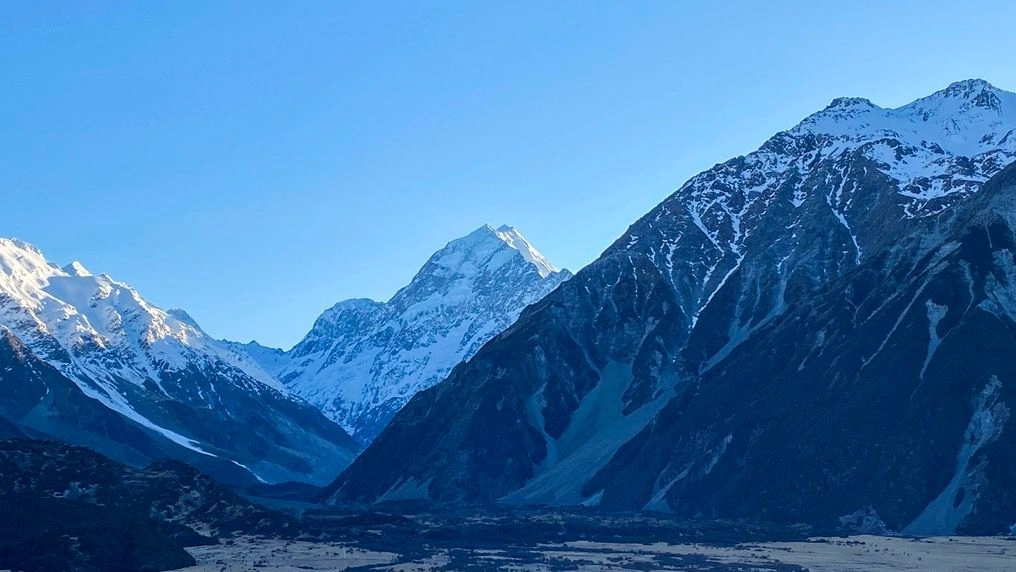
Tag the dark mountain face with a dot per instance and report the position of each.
(598, 391)
(10, 430)
(887, 393)
(38, 400)
(536, 369)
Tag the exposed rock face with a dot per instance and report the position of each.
(659, 376)
(891, 388)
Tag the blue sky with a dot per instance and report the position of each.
(255, 162)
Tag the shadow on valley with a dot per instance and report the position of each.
(66, 508)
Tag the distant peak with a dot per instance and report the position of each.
(513, 238)
(972, 105)
(965, 95)
(483, 231)
(463, 249)
(183, 316)
(349, 308)
(256, 345)
(840, 111)
(489, 229)
(19, 245)
(75, 268)
(969, 86)
(849, 103)
(354, 305)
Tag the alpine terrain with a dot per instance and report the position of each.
(816, 332)
(363, 360)
(86, 360)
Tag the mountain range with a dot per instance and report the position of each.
(817, 332)
(87, 360)
(363, 360)
(814, 332)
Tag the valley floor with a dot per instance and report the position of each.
(867, 553)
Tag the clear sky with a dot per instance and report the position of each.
(256, 162)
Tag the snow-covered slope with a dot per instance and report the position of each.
(572, 389)
(363, 360)
(140, 361)
(943, 145)
(107, 330)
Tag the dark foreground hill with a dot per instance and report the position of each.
(66, 508)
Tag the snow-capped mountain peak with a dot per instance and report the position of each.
(132, 357)
(850, 103)
(934, 152)
(23, 268)
(967, 118)
(965, 96)
(513, 238)
(485, 250)
(74, 308)
(75, 268)
(363, 360)
(184, 317)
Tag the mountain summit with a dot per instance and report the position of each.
(363, 360)
(767, 342)
(513, 238)
(87, 360)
